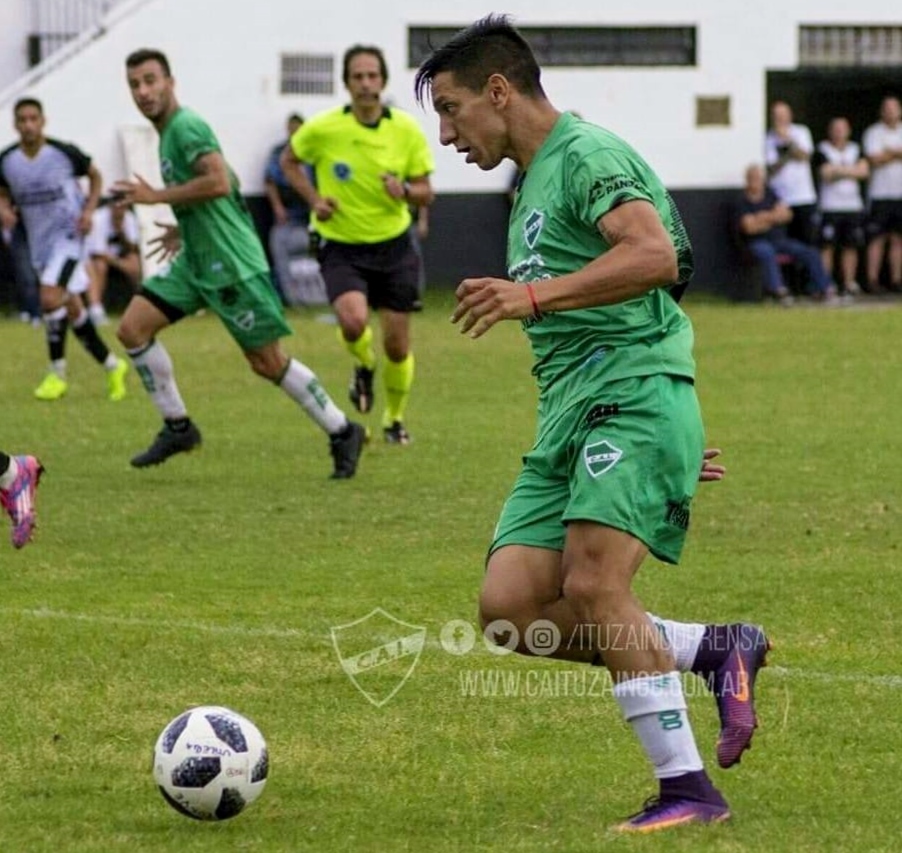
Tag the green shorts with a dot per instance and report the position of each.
(249, 308)
(627, 457)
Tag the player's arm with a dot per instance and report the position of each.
(641, 257)
(95, 187)
(211, 181)
(129, 262)
(419, 191)
(8, 217)
(280, 215)
(297, 173)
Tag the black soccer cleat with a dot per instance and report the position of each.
(361, 390)
(167, 443)
(346, 447)
(396, 434)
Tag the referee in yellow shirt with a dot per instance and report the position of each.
(370, 163)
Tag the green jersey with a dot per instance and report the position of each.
(219, 241)
(580, 173)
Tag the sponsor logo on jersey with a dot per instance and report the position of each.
(342, 171)
(533, 227)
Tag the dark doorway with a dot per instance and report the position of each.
(818, 94)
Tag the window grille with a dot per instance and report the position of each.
(847, 46)
(307, 74)
(581, 46)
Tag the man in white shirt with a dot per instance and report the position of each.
(787, 153)
(882, 144)
(840, 168)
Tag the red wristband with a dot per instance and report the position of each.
(536, 311)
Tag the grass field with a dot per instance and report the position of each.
(216, 579)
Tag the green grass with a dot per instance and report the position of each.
(217, 577)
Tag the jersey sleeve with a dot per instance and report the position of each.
(872, 142)
(602, 180)
(303, 142)
(421, 162)
(804, 139)
(195, 138)
(80, 161)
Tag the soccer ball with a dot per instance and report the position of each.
(210, 763)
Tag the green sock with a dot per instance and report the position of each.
(397, 377)
(362, 348)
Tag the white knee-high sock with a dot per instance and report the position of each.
(154, 366)
(654, 705)
(300, 383)
(682, 638)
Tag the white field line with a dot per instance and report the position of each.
(893, 682)
(159, 624)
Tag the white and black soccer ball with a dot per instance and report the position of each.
(210, 763)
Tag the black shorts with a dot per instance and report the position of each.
(842, 229)
(885, 216)
(387, 273)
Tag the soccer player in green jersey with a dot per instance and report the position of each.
(371, 162)
(218, 263)
(597, 259)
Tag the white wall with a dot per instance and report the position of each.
(225, 57)
(14, 27)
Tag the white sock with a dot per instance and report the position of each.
(58, 367)
(300, 383)
(654, 705)
(155, 369)
(7, 478)
(111, 363)
(682, 639)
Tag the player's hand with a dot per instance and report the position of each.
(84, 222)
(8, 218)
(710, 471)
(137, 191)
(166, 245)
(324, 208)
(393, 186)
(482, 302)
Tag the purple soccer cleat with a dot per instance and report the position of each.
(658, 814)
(18, 499)
(733, 685)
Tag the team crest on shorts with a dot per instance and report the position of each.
(600, 457)
(245, 321)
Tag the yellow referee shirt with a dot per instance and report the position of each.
(349, 160)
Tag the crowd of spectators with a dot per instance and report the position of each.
(825, 221)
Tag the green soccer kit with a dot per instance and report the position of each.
(619, 437)
(222, 265)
